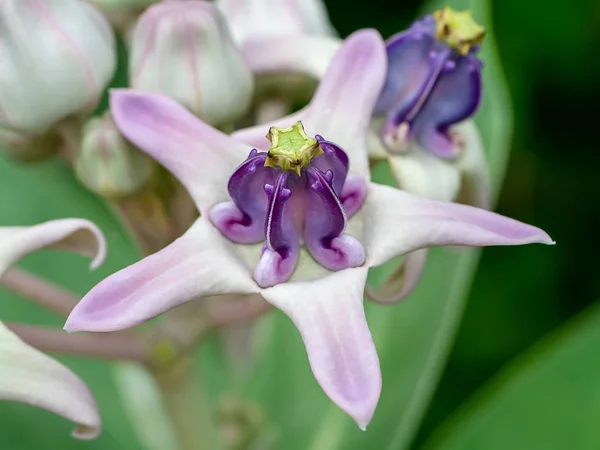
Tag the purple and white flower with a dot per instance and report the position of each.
(300, 225)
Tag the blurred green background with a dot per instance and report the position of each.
(549, 54)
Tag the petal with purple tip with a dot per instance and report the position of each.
(330, 317)
(325, 221)
(397, 223)
(200, 156)
(28, 376)
(198, 264)
(77, 235)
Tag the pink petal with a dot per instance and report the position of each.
(403, 281)
(77, 235)
(198, 264)
(30, 377)
(330, 317)
(397, 223)
(200, 156)
(341, 108)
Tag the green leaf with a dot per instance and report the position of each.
(412, 338)
(32, 194)
(547, 399)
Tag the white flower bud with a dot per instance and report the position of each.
(183, 49)
(57, 58)
(109, 165)
(257, 19)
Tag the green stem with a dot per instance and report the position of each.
(185, 401)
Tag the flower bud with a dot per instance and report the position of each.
(183, 49)
(109, 165)
(255, 19)
(57, 57)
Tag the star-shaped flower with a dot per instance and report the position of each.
(314, 256)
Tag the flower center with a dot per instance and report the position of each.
(458, 29)
(292, 195)
(291, 148)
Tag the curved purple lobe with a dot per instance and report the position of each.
(325, 220)
(334, 159)
(280, 253)
(455, 97)
(244, 220)
(408, 67)
(353, 194)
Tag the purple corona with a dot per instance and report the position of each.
(291, 194)
(433, 82)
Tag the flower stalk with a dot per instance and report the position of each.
(39, 291)
(185, 401)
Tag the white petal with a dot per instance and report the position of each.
(476, 189)
(29, 376)
(330, 316)
(76, 235)
(397, 223)
(421, 173)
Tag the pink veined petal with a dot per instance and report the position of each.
(342, 106)
(341, 109)
(403, 281)
(421, 173)
(298, 53)
(397, 223)
(330, 316)
(28, 376)
(198, 264)
(77, 235)
(200, 156)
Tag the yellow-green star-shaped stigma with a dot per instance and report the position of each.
(291, 148)
(458, 29)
